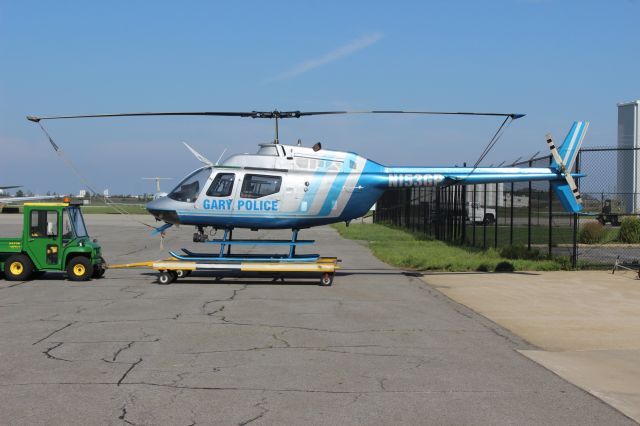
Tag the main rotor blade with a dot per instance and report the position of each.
(513, 116)
(268, 114)
(144, 114)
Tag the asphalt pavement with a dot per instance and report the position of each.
(378, 347)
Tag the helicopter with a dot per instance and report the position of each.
(296, 187)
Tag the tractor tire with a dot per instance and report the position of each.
(18, 267)
(79, 269)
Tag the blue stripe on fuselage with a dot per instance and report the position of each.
(373, 183)
(338, 185)
(314, 186)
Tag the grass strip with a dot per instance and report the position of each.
(401, 248)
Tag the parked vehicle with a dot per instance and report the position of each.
(611, 211)
(54, 238)
(479, 214)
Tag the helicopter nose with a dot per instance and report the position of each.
(162, 209)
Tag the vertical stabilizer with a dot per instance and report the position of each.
(564, 159)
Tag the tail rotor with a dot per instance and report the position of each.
(564, 160)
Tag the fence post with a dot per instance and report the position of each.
(484, 215)
(574, 257)
(447, 211)
(473, 220)
(452, 213)
(511, 217)
(495, 226)
(529, 212)
(407, 208)
(437, 215)
(550, 212)
(463, 211)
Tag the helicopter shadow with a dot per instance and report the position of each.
(208, 278)
(200, 278)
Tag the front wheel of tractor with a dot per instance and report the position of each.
(79, 269)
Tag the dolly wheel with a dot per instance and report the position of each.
(18, 268)
(79, 269)
(182, 273)
(167, 277)
(326, 280)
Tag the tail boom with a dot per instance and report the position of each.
(559, 174)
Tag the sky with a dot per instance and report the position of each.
(556, 61)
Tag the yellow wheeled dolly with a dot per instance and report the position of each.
(171, 269)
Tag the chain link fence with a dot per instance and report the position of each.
(528, 213)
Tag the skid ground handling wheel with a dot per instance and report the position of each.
(182, 273)
(326, 280)
(167, 277)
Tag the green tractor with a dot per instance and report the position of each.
(54, 238)
(611, 212)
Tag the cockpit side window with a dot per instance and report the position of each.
(256, 186)
(188, 190)
(222, 185)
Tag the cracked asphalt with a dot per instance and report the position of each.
(379, 347)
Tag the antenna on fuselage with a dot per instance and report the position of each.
(220, 158)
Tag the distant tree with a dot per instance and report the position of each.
(19, 193)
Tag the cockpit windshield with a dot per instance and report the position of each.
(188, 190)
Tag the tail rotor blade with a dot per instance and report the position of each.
(554, 151)
(574, 187)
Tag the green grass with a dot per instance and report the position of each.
(404, 249)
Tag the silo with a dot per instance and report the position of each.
(628, 178)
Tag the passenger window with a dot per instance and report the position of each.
(222, 185)
(43, 224)
(302, 163)
(256, 186)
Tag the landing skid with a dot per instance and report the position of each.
(224, 254)
(189, 255)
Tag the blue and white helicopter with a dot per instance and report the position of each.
(296, 187)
